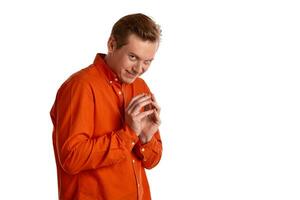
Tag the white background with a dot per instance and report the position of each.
(226, 75)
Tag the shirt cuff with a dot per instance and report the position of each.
(145, 150)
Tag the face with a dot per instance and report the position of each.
(130, 60)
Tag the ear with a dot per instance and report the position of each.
(111, 44)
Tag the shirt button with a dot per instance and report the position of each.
(143, 149)
(119, 92)
(110, 82)
(133, 143)
(133, 161)
(116, 79)
(138, 185)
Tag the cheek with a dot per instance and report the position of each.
(145, 68)
(124, 61)
(127, 64)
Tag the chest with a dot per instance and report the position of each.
(110, 104)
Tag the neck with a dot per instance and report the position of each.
(108, 61)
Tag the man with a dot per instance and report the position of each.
(106, 119)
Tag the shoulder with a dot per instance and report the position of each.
(86, 75)
(142, 85)
(78, 81)
(139, 81)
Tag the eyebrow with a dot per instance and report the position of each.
(139, 57)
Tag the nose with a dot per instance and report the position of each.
(138, 68)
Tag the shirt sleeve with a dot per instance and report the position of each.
(149, 153)
(73, 119)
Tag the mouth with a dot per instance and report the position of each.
(131, 75)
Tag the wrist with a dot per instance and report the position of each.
(144, 139)
(136, 131)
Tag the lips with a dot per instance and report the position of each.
(131, 74)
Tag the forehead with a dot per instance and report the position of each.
(143, 49)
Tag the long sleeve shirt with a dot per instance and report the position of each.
(98, 156)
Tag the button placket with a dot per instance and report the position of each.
(117, 88)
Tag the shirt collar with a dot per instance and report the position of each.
(100, 63)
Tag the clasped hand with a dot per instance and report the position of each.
(144, 123)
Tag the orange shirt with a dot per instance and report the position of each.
(98, 156)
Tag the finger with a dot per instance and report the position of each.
(157, 118)
(136, 100)
(140, 105)
(156, 106)
(155, 101)
(153, 97)
(141, 100)
(142, 115)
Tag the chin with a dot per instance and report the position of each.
(128, 81)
